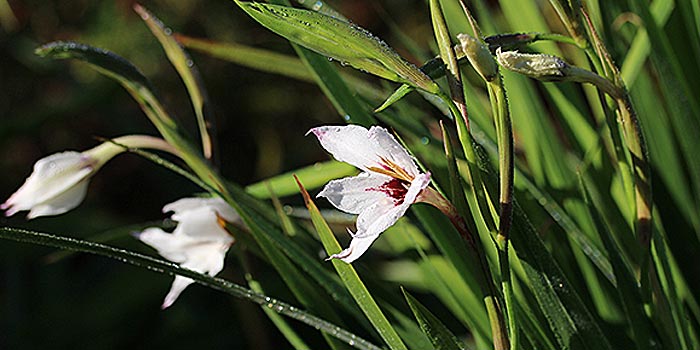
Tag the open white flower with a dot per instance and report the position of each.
(199, 242)
(59, 182)
(381, 194)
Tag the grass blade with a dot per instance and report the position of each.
(166, 267)
(439, 335)
(188, 73)
(339, 40)
(352, 281)
(315, 176)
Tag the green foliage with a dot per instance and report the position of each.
(595, 257)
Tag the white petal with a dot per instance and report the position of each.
(207, 257)
(383, 214)
(364, 148)
(378, 217)
(217, 204)
(354, 194)
(358, 246)
(61, 203)
(201, 224)
(52, 176)
(168, 245)
(417, 185)
(179, 284)
(392, 150)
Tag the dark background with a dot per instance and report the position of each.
(82, 301)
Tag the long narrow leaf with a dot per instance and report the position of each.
(352, 280)
(188, 72)
(340, 40)
(166, 267)
(439, 335)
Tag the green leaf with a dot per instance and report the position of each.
(315, 176)
(339, 40)
(322, 7)
(251, 57)
(629, 294)
(188, 72)
(140, 89)
(439, 335)
(352, 281)
(453, 247)
(269, 61)
(249, 208)
(570, 320)
(165, 267)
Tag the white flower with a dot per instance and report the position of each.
(59, 182)
(389, 184)
(199, 242)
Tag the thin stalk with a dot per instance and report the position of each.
(499, 333)
(504, 138)
(488, 290)
(636, 146)
(572, 26)
(448, 56)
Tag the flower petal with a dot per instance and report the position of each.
(217, 204)
(207, 257)
(167, 244)
(364, 148)
(358, 246)
(201, 224)
(52, 176)
(383, 214)
(179, 284)
(378, 217)
(63, 202)
(354, 194)
(392, 150)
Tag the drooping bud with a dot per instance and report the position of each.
(552, 68)
(59, 182)
(479, 56)
(539, 66)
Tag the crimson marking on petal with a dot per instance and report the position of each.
(396, 189)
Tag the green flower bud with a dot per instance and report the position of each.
(479, 56)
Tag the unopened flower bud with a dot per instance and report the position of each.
(551, 68)
(539, 66)
(479, 56)
(59, 182)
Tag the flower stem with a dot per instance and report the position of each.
(488, 289)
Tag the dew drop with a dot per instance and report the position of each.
(317, 6)
(189, 63)
(424, 140)
(346, 117)
(269, 305)
(168, 31)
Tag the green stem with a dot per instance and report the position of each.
(488, 290)
(504, 131)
